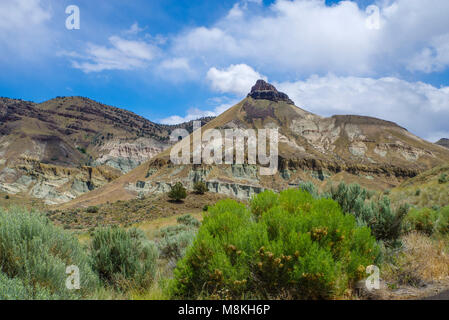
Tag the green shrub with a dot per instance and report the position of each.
(263, 202)
(286, 246)
(174, 242)
(442, 222)
(15, 289)
(188, 220)
(421, 220)
(177, 192)
(123, 258)
(34, 255)
(428, 221)
(310, 188)
(92, 209)
(443, 178)
(385, 223)
(206, 207)
(7, 197)
(82, 150)
(200, 187)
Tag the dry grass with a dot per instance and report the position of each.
(151, 228)
(133, 212)
(424, 190)
(21, 200)
(423, 260)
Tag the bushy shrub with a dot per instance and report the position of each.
(34, 255)
(123, 258)
(200, 187)
(310, 188)
(442, 222)
(264, 201)
(174, 240)
(188, 220)
(428, 221)
(351, 197)
(286, 246)
(443, 178)
(177, 192)
(385, 223)
(92, 209)
(15, 289)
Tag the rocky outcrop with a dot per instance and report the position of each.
(53, 184)
(126, 155)
(235, 190)
(443, 142)
(266, 91)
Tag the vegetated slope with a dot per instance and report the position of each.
(375, 153)
(443, 142)
(76, 133)
(428, 189)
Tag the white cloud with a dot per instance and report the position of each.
(122, 55)
(419, 107)
(22, 14)
(237, 79)
(134, 29)
(303, 37)
(176, 64)
(195, 113)
(24, 29)
(432, 58)
(298, 38)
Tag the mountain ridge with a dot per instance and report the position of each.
(376, 153)
(73, 132)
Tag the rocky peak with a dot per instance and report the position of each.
(266, 91)
(443, 142)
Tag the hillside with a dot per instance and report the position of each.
(75, 133)
(428, 189)
(375, 153)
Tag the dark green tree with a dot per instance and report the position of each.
(177, 192)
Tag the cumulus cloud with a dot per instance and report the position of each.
(123, 54)
(432, 58)
(22, 14)
(236, 79)
(417, 106)
(23, 27)
(306, 36)
(302, 37)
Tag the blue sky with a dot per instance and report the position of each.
(175, 60)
